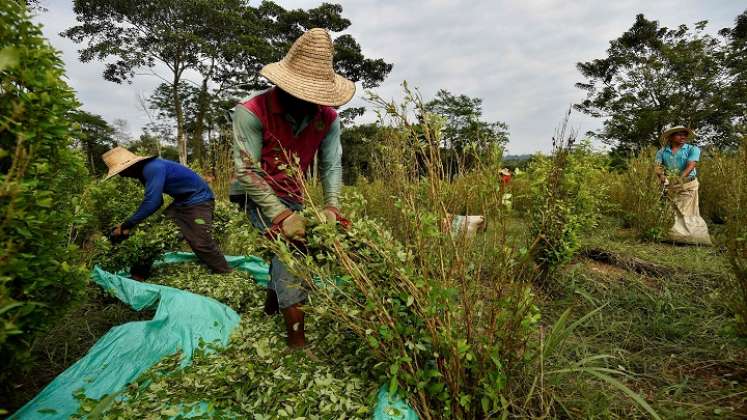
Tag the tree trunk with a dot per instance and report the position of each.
(198, 144)
(181, 140)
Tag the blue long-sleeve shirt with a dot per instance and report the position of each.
(164, 176)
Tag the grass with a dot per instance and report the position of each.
(673, 335)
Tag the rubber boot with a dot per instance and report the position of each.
(271, 303)
(293, 316)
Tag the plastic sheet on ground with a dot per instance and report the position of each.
(182, 321)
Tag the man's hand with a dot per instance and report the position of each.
(332, 216)
(118, 234)
(291, 224)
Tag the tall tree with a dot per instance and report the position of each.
(226, 42)
(141, 34)
(465, 126)
(736, 64)
(654, 76)
(96, 137)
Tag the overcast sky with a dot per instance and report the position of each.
(518, 56)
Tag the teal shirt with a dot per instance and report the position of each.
(247, 131)
(678, 161)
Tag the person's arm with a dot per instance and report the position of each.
(692, 160)
(247, 149)
(659, 168)
(154, 174)
(330, 165)
(689, 168)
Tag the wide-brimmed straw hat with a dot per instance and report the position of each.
(676, 129)
(306, 71)
(118, 159)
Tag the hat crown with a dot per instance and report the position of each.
(118, 156)
(307, 71)
(672, 127)
(118, 159)
(311, 55)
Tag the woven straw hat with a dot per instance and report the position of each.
(306, 71)
(676, 129)
(118, 159)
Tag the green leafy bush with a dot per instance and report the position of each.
(40, 270)
(568, 192)
(717, 169)
(447, 317)
(737, 237)
(105, 204)
(639, 199)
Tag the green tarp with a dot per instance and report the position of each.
(181, 322)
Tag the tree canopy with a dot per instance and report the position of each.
(655, 76)
(465, 126)
(225, 42)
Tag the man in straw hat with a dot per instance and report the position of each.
(277, 133)
(192, 208)
(679, 159)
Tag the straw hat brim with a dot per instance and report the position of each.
(320, 92)
(665, 135)
(116, 170)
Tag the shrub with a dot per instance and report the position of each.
(716, 170)
(639, 199)
(105, 204)
(447, 317)
(737, 236)
(40, 271)
(567, 191)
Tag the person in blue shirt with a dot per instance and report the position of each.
(192, 208)
(677, 157)
(677, 160)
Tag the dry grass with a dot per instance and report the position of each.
(638, 198)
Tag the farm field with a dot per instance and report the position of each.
(275, 244)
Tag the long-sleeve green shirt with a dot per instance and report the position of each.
(247, 131)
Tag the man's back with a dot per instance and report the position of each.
(183, 184)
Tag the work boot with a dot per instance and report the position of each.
(271, 303)
(293, 316)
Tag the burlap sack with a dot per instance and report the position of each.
(689, 227)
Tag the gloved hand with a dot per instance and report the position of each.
(291, 224)
(118, 234)
(332, 216)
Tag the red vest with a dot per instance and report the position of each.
(280, 148)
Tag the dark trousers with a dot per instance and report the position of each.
(290, 289)
(196, 225)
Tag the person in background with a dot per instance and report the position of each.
(505, 174)
(192, 208)
(678, 159)
(277, 133)
(677, 156)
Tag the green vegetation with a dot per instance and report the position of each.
(569, 303)
(40, 269)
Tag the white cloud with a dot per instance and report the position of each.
(518, 56)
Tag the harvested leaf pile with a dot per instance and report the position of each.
(235, 289)
(256, 376)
